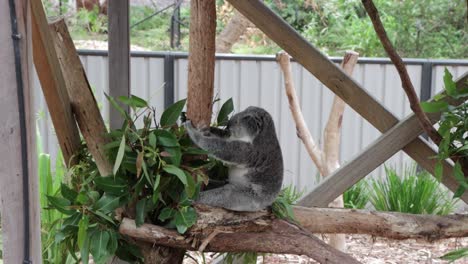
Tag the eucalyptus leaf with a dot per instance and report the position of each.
(185, 218)
(117, 106)
(84, 250)
(107, 203)
(226, 109)
(171, 169)
(98, 246)
(152, 140)
(111, 185)
(166, 138)
(133, 101)
(434, 107)
(166, 213)
(82, 231)
(172, 113)
(449, 84)
(68, 193)
(120, 155)
(140, 212)
(61, 204)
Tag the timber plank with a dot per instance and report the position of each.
(83, 103)
(53, 84)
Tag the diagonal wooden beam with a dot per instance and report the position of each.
(337, 81)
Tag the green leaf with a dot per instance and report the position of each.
(68, 193)
(107, 203)
(190, 188)
(449, 84)
(82, 231)
(152, 140)
(133, 101)
(175, 155)
(120, 155)
(458, 173)
(172, 113)
(84, 250)
(439, 96)
(166, 213)
(117, 106)
(171, 169)
(185, 218)
(111, 185)
(195, 151)
(226, 109)
(166, 138)
(98, 246)
(113, 242)
(140, 212)
(459, 192)
(434, 107)
(82, 198)
(103, 216)
(60, 204)
(456, 254)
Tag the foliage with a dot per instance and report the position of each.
(282, 206)
(157, 174)
(453, 126)
(456, 254)
(357, 196)
(422, 29)
(415, 192)
(246, 257)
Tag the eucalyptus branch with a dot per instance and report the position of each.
(402, 72)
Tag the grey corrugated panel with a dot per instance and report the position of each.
(253, 80)
(438, 75)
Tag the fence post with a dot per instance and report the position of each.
(168, 79)
(426, 81)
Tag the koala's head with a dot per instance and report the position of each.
(249, 123)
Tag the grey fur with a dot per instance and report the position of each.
(250, 148)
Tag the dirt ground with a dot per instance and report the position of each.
(371, 250)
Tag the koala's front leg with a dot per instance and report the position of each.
(233, 151)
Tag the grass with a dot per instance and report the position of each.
(415, 192)
(357, 196)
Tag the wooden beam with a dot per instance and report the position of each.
(53, 84)
(378, 152)
(333, 77)
(13, 201)
(119, 56)
(201, 61)
(83, 103)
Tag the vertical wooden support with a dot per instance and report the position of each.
(14, 203)
(119, 56)
(53, 84)
(201, 61)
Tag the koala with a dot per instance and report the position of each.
(250, 149)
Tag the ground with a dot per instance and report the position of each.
(371, 250)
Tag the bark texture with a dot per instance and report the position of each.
(234, 29)
(201, 61)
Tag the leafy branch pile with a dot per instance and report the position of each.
(157, 174)
(453, 127)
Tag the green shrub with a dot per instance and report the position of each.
(357, 196)
(415, 192)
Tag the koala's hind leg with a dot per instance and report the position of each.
(232, 198)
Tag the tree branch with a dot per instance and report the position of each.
(403, 73)
(301, 126)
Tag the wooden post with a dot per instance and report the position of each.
(201, 61)
(53, 84)
(13, 199)
(119, 56)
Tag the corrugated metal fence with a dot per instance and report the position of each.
(257, 80)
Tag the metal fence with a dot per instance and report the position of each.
(161, 77)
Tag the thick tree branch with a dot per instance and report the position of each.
(403, 73)
(241, 232)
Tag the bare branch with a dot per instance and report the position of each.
(403, 73)
(301, 127)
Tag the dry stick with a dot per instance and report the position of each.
(403, 73)
(301, 126)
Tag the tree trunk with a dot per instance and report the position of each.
(234, 29)
(201, 62)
